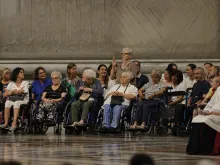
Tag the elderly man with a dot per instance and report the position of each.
(126, 65)
(200, 89)
(91, 86)
(213, 72)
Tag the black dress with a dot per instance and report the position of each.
(202, 140)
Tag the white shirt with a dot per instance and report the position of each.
(24, 84)
(179, 87)
(188, 83)
(131, 89)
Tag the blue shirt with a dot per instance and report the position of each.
(38, 88)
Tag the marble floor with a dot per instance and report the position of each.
(86, 149)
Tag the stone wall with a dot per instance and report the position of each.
(54, 32)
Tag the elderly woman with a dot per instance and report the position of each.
(205, 136)
(149, 94)
(103, 77)
(126, 65)
(127, 92)
(90, 90)
(40, 83)
(6, 78)
(51, 97)
(17, 87)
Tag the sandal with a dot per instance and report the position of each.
(80, 124)
(74, 124)
(142, 126)
(133, 126)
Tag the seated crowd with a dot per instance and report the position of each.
(119, 86)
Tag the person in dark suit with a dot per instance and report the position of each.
(140, 79)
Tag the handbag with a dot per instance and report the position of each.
(84, 96)
(17, 97)
(117, 100)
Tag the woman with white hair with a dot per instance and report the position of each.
(126, 65)
(90, 90)
(149, 96)
(117, 99)
(51, 97)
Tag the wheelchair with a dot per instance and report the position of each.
(124, 122)
(91, 118)
(162, 118)
(22, 121)
(172, 117)
(150, 125)
(40, 126)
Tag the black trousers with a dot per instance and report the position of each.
(144, 108)
(201, 141)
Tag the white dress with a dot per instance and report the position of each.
(211, 120)
(11, 86)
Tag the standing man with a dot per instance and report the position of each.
(140, 79)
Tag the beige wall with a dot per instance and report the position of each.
(82, 30)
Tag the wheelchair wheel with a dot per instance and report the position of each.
(126, 125)
(161, 130)
(43, 128)
(25, 129)
(174, 131)
(58, 129)
(68, 132)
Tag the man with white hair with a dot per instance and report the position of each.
(126, 65)
(89, 87)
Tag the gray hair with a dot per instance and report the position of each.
(56, 73)
(202, 70)
(128, 74)
(89, 73)
(156, 72)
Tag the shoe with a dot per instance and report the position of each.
(112, 129)
(141, 126)
(74, 124)
(80, 124)
(103, 128)
(12, 128)
(133, 127)
(4, 126)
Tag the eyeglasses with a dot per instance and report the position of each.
(125, 54)
(55, 78)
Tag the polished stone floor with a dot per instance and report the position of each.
(86, 149)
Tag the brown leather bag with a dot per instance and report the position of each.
(84, 96)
